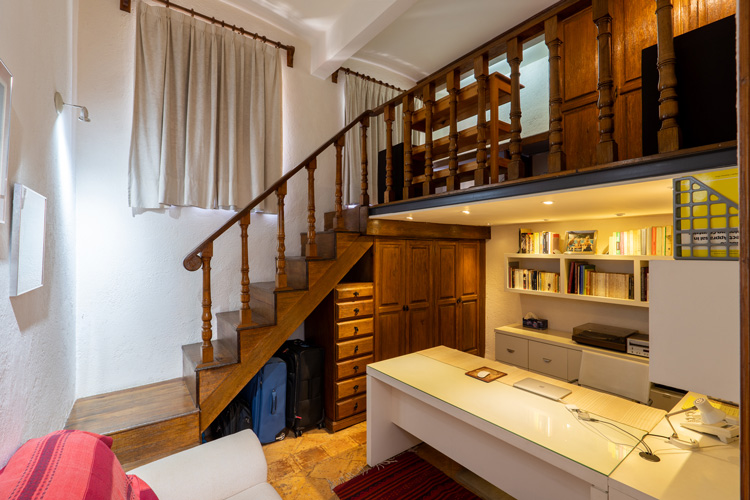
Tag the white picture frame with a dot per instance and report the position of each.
(6, 89)
(27, 233)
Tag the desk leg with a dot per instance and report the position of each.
(384, 438)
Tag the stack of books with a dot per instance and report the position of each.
(585, 280)
(654, 240)
(530, 279)
(544, 242)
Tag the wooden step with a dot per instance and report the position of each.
(145, 422)
(351, 218)
(324, 240)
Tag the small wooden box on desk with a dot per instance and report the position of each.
(342, 324)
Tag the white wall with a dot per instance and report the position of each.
(37, 329)
(505, 308)
(136, 304)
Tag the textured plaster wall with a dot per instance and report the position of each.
(505, 308)
(135, 301)
(37, 329)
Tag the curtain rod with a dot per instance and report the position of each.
(335, 78)
(125, 6)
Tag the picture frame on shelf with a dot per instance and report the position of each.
(580, 242)
(6, 87)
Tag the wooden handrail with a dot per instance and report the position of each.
(192, 261)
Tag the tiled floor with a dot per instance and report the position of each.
(309, 466)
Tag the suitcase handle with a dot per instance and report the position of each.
(274, 402)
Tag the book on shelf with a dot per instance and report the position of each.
(655, 240)
(544, 242)
(531, 279)
(584, 279)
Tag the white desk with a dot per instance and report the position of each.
(529, 446)
(711, 472)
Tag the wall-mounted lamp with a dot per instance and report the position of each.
(84, 114)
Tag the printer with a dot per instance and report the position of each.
(606, 337)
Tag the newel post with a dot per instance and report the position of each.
(515, 56)
(556, 159)
(453, 84)
(669, 135)
(428, 97)
(207, 349)
(311, 248)
(606, 148)
(389, 114)
(281, 281)
(408, 109)
(364, 197)
(338, 219)
(481, 74)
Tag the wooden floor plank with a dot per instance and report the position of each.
(130, 408)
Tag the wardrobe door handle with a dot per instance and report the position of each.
(458, 300)
(547, 360)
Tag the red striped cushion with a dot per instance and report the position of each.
(69, 465)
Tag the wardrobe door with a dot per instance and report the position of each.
(446, 293)
(390, 294)
(469, 294)
(419, 311)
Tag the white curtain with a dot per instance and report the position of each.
(362, 95)
(206, 116)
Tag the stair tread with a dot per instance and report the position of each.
(303, 258)
(270, 286)
(223, 354)
(233, 317)
(131, 408)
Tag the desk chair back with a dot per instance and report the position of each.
(615, 375)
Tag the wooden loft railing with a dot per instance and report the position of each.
(443, 162)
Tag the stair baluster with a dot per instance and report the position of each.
(311, 248)
(389, 114)
(364, 198)
(556, 161)
(669, 135)
(453, 84)
(281, 281)
(606, 148)
(408, 108)
(428, 97)
(515, 56)
(339, 217)
(246, 314)
(207, 349)
(481, 73)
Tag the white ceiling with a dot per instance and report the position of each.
(623, 200)
(413, 38)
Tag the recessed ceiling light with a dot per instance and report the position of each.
(409, 217)
(548, 202)
(466, 211)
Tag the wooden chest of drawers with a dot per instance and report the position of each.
(342, 324)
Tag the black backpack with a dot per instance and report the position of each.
(234, 418)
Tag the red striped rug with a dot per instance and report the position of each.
(405, 477)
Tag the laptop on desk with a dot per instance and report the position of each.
(542, 388)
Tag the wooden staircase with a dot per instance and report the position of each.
(156, 420)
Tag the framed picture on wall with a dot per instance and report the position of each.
(580, 242)
(6, 86)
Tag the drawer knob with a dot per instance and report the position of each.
(547, 360)
(356, 388)
(356, 329)
(356, 368)
(356, 348)
(510, 350)
(458, 300)
(356, 294)
(356, 311)
(356, 405)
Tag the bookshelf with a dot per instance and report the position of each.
(561, 263)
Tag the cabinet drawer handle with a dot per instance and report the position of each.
(547, 360)
(356, 405)
(356, 367)
(356, 348)
(356, 311)
(356, 329)
(356, 294)
(510, 350)
(356, 388)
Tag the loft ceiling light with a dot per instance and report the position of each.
(59, 104)
(466, 211)
(548, 202)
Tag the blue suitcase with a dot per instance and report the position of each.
(267, 395)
